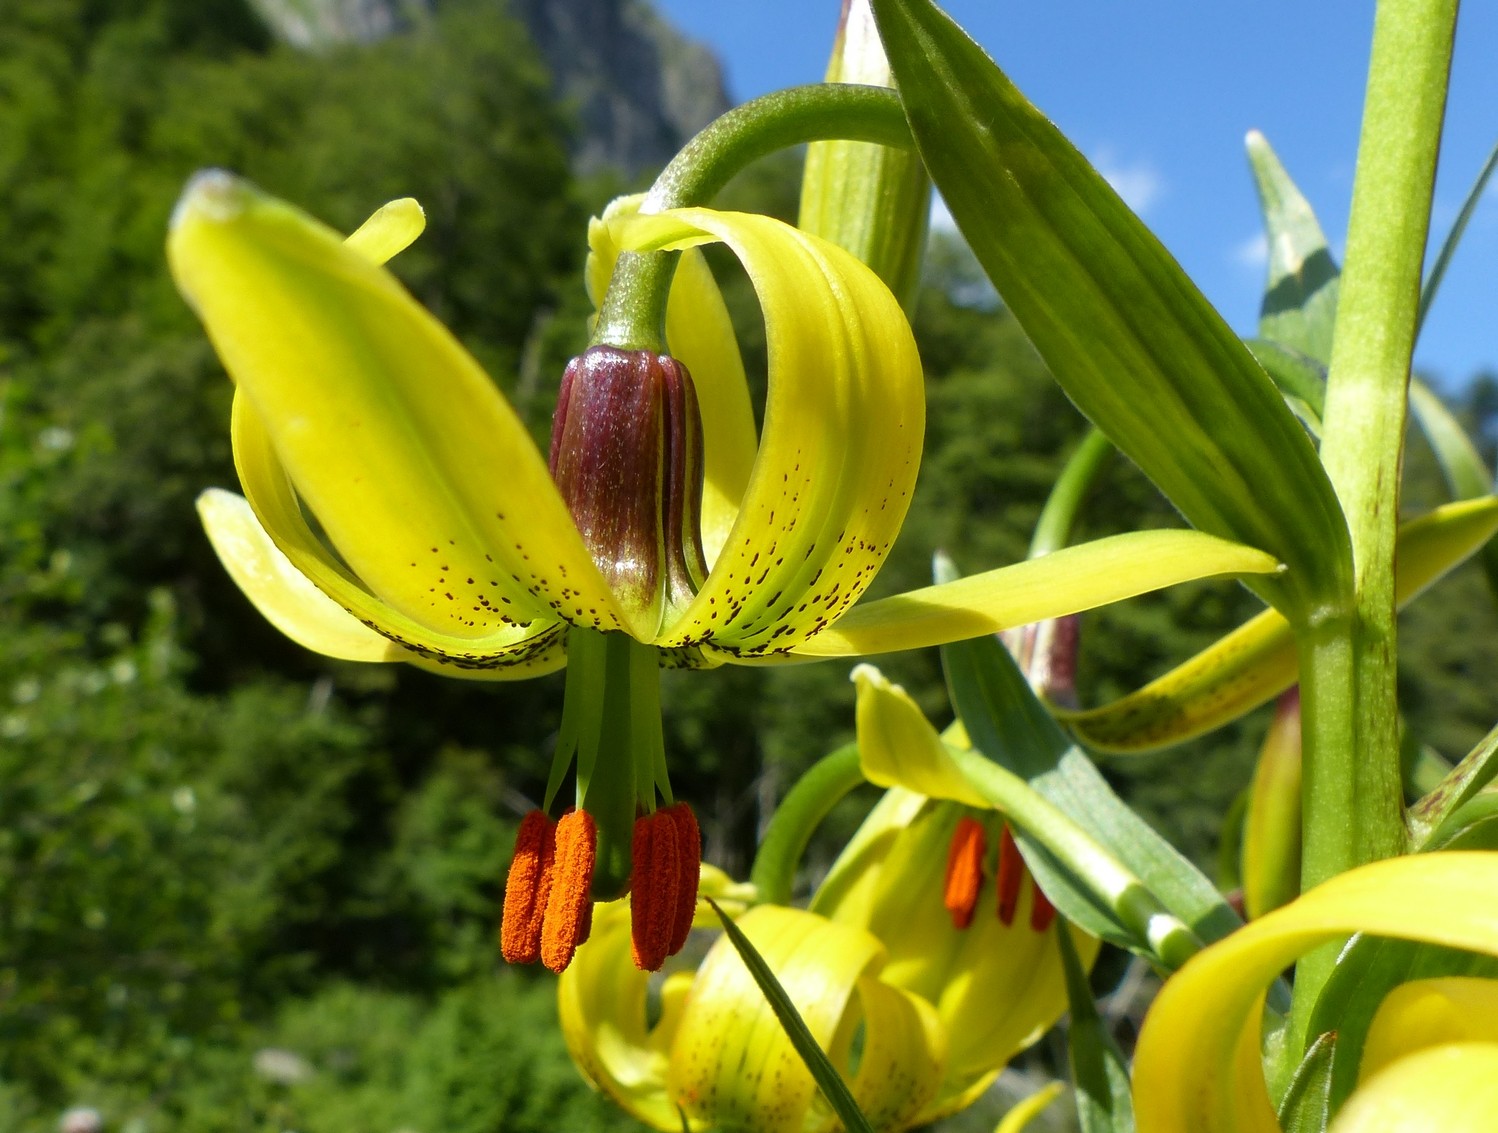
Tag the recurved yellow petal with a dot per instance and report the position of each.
(1427, 1013)
(1064, 582)
(1444, 1089)
(391, 230)
(283, 594)
(1256, 662)
(417, 470)
(525, 644)
(898, 746)
(1018, 1118)
(843, 424)
(732, 1064)
(1197, 1068)
(601, 1004)
(699, 334)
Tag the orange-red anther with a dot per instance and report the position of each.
(1011, 875)
(569, 907)
(964, 871)
(1042, 912)
(527, 888)
(688, 874)
(655, 872)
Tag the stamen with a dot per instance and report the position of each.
(964, 871)
(1011, 875)
(689, 872)
(654, 883)
(527, 888)
(1042, 912)
(569, 907)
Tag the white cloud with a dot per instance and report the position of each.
(1253, 252)
(1139, 183)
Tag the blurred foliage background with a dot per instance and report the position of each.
(246, 888)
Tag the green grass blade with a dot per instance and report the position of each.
(1453, 238)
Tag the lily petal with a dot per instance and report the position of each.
(1453, 1088)
(416, 468)
(601, 1002)
(1063, 582)
(391, 230)
(515, 648)
(841, 444)
(699, 334)
(1427, 1013)
(1256, 662)
(283, 594)
(1197, 1065)
(732, 1063)
(602, 1005)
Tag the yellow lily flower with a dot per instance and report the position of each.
(661, 530)
(1430, 1059)
(928, 935)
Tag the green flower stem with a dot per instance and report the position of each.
(823, 786)
(1053, 529)
(1352, 800)
(633, 312)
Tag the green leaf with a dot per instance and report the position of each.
(1306, 1106)
(828, 1080)
(1366, 972)
(1300, 299)
(1008, 724)
(1301, 379)
(1453, 238)
(1124, 331)
(1461, 464)
(1099, 1072)
(1467, 778)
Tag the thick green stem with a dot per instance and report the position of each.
(1330, 779)
(633, 312)
(1352, 799)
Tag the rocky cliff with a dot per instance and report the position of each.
(637, 87)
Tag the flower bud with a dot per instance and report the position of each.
(626, 453)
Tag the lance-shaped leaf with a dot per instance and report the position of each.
(1122, 328)
(1430, 814)
(1099, 1072)
(1197, 1067)
(1300, 299)
(1256, 662)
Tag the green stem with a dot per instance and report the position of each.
(823, 786)
(1329, 784)
(1053, 529)
(633, 312)
(1352, 801)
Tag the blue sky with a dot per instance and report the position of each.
(1159, 94)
